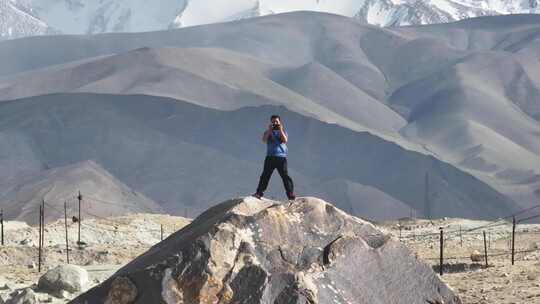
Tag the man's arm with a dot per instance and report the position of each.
(282, 134)
(265, 136)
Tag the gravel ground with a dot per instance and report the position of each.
(500, 283)
(110, 243)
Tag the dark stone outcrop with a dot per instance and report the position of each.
(259, 251)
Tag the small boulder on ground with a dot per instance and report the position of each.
(476, 256)
(68, 278)
(25, 296)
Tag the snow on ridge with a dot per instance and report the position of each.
(16, 20)
(36, 17)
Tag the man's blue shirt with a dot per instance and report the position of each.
(274, 146)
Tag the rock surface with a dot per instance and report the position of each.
(25, 296)
(69, 278)
(260, 251)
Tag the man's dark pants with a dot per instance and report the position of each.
(271, 163)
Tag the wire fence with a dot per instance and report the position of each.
(78, 209)
(479, 240)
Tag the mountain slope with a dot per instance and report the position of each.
(367, 201)
(177, 152)
(215, 78)
(103, 195)
(473, 113)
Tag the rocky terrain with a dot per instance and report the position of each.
(109, 243)
(113, 242)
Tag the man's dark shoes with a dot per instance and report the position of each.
(258, 195)
(291, 196)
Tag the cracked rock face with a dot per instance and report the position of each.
(260, 251)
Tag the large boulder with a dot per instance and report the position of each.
(68, 278)
(260, 251)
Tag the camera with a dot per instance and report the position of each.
(275, 126)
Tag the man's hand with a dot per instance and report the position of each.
(282, 135)
(267, 133)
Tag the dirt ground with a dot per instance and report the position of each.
(500, 282)
(113, 242)
(109, 244)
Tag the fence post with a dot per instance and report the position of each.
(43, 224)
(162, 232)
(79, 197)
(460, 237)
(441, 260)
(485, 249)
(400, 232)
(66, 226)
(2, 225)
(39, 242)
(513, 237)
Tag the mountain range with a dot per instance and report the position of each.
(438, 120)
(21, 18)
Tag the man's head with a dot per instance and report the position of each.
(276, 120)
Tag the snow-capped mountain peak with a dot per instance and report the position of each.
(37, 17)
(17, 19)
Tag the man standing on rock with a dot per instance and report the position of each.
(275, 138)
